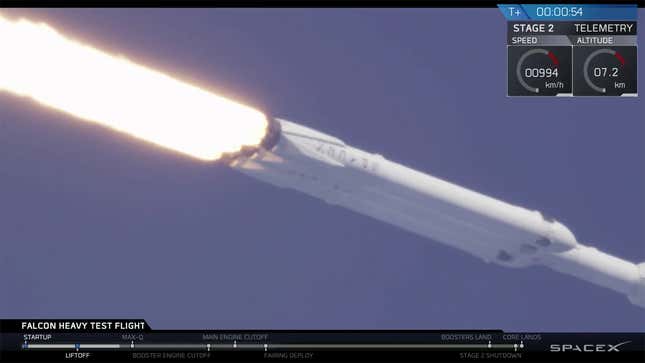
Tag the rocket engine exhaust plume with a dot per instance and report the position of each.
(38, 62)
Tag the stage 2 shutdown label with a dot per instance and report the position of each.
(571, 50)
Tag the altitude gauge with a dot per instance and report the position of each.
(605, 71)
(539, 70)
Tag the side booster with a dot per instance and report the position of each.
(300, 158)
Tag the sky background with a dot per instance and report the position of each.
(95, 224)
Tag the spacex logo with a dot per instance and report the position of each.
(587, 347)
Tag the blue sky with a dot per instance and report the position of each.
(95, 224)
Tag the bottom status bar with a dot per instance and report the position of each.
(105, 340)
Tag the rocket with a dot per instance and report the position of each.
(297, 157)
(58, 72)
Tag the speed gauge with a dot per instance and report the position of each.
(539, 71)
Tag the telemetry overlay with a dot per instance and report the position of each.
(571, 50)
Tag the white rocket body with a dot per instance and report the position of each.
(325, 167)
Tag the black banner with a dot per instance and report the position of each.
(128, 339)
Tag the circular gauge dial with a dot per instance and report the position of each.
(539, 71)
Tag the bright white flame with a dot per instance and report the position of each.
(38, 62)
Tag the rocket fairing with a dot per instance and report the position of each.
(323, 166)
